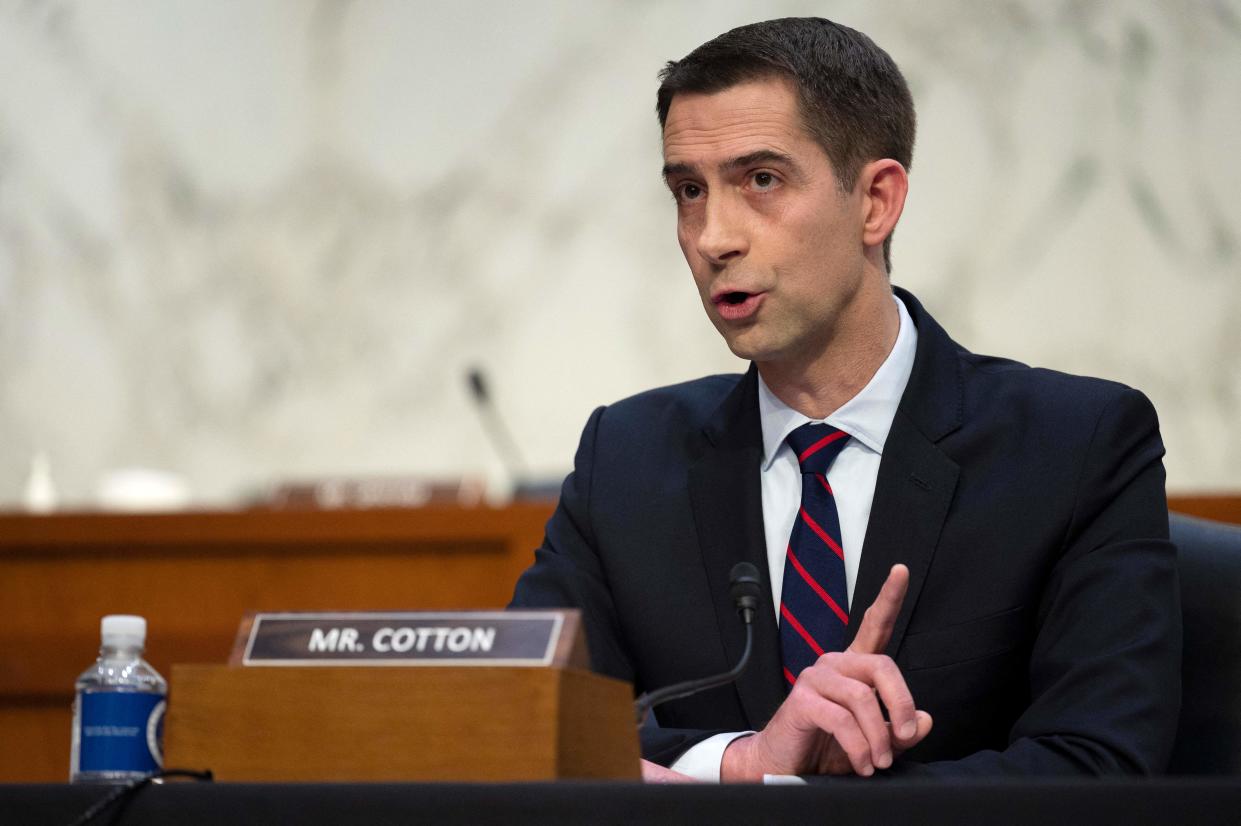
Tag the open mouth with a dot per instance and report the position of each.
(736, 305)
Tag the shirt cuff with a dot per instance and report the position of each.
(702, 760)
(784, 780)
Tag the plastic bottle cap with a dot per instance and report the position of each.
(123, 630)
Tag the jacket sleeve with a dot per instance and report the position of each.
(568, 573)
(1104, 670)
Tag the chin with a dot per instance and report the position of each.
(753, 342)
(749, 350)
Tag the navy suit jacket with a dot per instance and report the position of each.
(1041, 629)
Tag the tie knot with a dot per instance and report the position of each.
(816, 446)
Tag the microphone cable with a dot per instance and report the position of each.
(746, 589)
(122, 795)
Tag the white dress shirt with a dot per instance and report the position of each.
(867, 418)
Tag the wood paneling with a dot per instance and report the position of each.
(194, 575)
(1222, 507)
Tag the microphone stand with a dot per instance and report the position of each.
(643, 705)
(746, 588)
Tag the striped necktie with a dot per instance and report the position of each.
(814, 603)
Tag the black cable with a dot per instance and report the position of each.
(644, 704)
(123, 794)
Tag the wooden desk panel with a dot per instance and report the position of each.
(1222, 507)
(194, 575)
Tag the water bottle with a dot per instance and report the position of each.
(118, 710)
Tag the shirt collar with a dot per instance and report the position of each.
(867, 417)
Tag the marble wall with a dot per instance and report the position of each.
(249, 240)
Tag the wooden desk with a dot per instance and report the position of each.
(1222, 507)
(193, 575)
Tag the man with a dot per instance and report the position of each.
(1006, 526)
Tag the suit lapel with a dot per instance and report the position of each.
(912, 495)
(916, 480)
(728, 515)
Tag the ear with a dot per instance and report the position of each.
(883, 185)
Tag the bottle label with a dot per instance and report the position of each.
(122, 731)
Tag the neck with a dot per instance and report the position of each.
(817, 384)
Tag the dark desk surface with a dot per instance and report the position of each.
(1164, 801)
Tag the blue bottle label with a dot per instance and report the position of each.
(122, 731)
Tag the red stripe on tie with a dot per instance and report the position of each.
(819, 445)
(788, 675)
(805, 635)
(818, 589)
(826, 486)
(814, 526)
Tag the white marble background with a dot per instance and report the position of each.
(260, 239)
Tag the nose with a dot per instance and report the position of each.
(723, 237)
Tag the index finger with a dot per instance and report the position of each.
(880, 618)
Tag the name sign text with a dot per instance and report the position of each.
(404, 638)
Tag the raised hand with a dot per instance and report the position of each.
(831, 722)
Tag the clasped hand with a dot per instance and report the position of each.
(831, 722)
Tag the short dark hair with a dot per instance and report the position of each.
(853, 99)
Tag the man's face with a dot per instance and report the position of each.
(774, 245)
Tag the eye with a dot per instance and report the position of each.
(764, 180)
(688, 192)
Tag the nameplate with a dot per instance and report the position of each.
(460, 638)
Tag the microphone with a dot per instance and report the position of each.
(746, 590)
(497, 432)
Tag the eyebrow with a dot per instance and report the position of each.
(732, 164)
